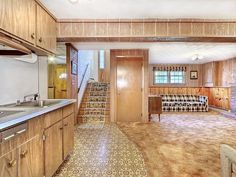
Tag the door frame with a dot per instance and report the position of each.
(117, 53)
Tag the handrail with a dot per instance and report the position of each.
(83, 77)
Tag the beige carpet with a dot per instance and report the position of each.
(183, 145)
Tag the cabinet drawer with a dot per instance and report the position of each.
(13, 132)
(52, 117)
(68, 110)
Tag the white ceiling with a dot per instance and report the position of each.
(115, 9)
(172, 52)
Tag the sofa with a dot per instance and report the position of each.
(184, 103)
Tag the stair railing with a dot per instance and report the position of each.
(83, 84)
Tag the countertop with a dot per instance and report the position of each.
(29, 113)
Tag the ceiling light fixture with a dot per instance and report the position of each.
(197, 57)
(73, 1)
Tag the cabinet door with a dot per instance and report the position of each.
(53, 148)
(17, 17)
(46, 30)
(30, 155)
(8, 165)
(68, 135)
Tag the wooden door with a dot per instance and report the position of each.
(30, 157)
(68, 135)
(46, 30)
(129, 89)
(17, 17)
(60, 82)
(8, 165)
(53, 149)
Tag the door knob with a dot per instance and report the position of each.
(40, 39)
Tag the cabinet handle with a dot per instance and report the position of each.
(23, 154)
(33, 36)
(40, 39)
(21, 131)
(66, 124)
(9, 137)
(12, 163)
(61, 128)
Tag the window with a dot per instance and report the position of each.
(177, 77)
(102, 59)
(169, 77)
(161, 77)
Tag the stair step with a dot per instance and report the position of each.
(96, 103)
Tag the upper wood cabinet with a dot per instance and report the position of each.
(27, 21)
(46, 30)
(18, 17)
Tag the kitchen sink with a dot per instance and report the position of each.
(4, 113)
(35, 104)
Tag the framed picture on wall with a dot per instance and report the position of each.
(193, 75)
(74, 68)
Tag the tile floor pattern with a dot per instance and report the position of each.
(183, 144)
(103, 152)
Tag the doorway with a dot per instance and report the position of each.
(129, 80)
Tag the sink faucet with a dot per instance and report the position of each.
(35, 96)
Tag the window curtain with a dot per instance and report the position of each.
(170, 68)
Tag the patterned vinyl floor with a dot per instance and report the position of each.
(103, 151)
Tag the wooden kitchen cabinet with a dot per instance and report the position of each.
(68, 135)
(30, 158)
(8, 165)
(46, 30)
(18, 17)
(53, 148)
(41, 147)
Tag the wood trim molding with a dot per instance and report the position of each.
(147, 39)
(43, 6)
(147, 20)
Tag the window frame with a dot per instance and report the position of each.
(169, 78)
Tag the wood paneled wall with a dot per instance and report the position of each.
(219, 73)
(189, 82)
(179, 90)
(72, 79)
(208, 74)
(141, 30)
(219, 97)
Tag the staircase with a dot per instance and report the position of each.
(95, 104)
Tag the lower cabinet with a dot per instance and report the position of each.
(53, 148)
(8, 165)
(41, 149)
(30, 158)
(68, 135)
(26, 160)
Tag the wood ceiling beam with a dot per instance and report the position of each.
(146, 30)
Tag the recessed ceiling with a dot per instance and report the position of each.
(119, 9)
(172, 53)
